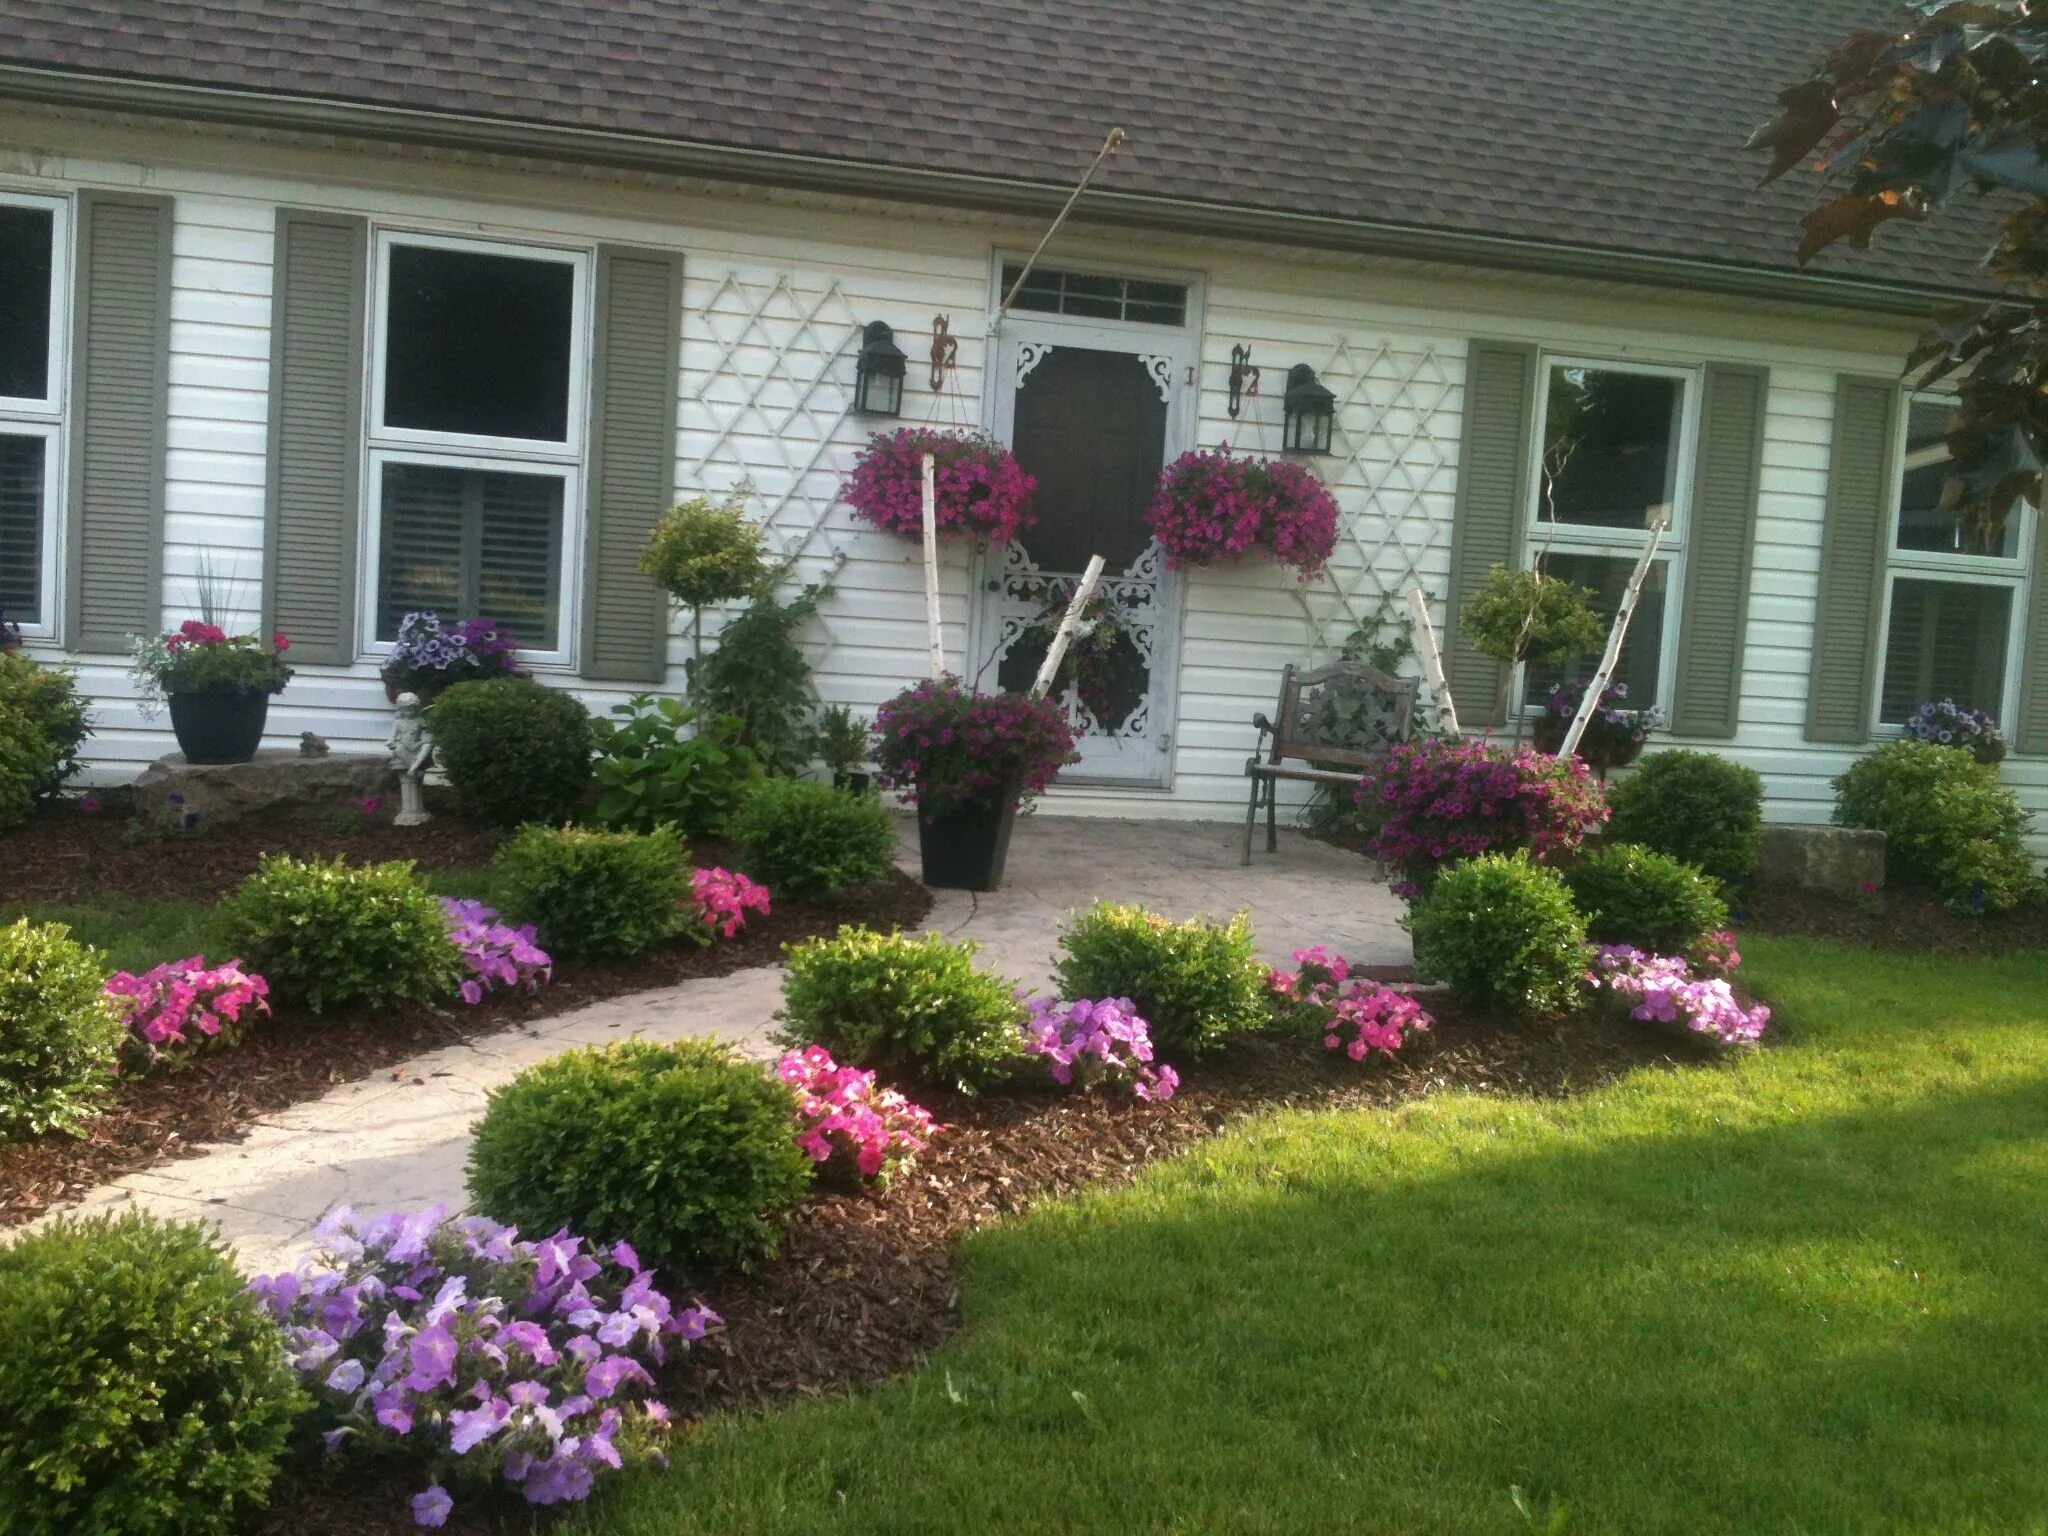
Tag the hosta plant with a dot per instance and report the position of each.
(481, 1356)
(848, 1124)
(183, 1007)
(1102, 1040)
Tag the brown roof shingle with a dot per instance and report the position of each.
(1608, 124)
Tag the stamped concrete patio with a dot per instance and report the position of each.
(399, 1139)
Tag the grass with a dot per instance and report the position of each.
(1801, 1292)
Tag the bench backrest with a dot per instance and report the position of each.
(1347, 712)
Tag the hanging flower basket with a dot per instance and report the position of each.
(1212, 508)
(979, 487)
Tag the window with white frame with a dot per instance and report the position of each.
(32, 264)
(1952, 602)
(1614, 455)
(476, 437)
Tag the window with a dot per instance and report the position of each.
(1090, 297)
(476, 436)
(1614, 444)
(1951, 604)
(32, 261)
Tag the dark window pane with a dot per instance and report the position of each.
(1610, 448)
(1642, 652)
(1922, 523)
(1946, 640)
(26, 235)
(1094, 297)
(21, 528)
(472, 544)
(478, 344)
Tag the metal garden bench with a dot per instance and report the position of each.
(1334, 721)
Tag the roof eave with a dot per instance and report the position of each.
(625, 151)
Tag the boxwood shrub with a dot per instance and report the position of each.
(1194, 982)
(805, 839)
(1948, 823)
(59, 1034)
(1635, 895)
(594, 893)
(1699, 808)
(331, 934)
(514, 751)
(1502, 932)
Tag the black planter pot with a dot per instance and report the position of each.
(964, 848)
(219, 727)
(852, 783)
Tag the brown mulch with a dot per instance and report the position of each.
(1890, 918)
(866, 1285)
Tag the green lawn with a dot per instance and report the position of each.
(1806, 1292)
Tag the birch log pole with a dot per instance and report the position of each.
(1064, 635)
(1612, 655)
(1432, 662)
(931, 569)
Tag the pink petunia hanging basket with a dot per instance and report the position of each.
(979, 487)
(1212, 508)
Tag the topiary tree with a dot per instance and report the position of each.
(1523, 616)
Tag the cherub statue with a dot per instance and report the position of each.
(412, 750)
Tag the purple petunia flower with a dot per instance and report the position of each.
(431, 1508)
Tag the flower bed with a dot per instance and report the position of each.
(1212, 507)
(978, 485)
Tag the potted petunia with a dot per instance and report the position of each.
(967, 761)
(433, 653)
(978, 486)
(1212, 507)
(218, 685)
(1614, 735)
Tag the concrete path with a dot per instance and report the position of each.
(399, 1139)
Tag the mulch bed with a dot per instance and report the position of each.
(866, 1285)
(1890, 919)
(294, 1056)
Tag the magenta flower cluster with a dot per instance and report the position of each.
(488, 1358)
(494, 954)
(723, 899)
(945, 747)
(1212, 507)
(1715, 954)
(978, 485)
(185, 1006)
(1353, 1014)
(1663, 989)
(1429, 804)
(1100, 1040)
(845, 1121)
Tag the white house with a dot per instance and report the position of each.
(367, 308)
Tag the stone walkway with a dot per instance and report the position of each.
(399, 1139)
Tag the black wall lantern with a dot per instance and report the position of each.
(1308, 411)
(878, 372)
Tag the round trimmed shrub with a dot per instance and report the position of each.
(805, 839)
(1948, 823)
(146, 1392)
(59, 1033)
(1699, 808)
(23, 752)
(331, 934)
(1635, 895)
(594, 893)
(913, 1008)
(51, 720)
(514, 751)
(1193, 982)
(682, 1150)
(1502, 932)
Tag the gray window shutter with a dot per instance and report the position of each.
(2030, 731)
(1720, 546)
(1852, 557)
(1492, 505)
(120, 391)
(639, 306)
(318, 291)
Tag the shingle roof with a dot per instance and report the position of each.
(1608, 124)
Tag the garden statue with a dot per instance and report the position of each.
(411, 751)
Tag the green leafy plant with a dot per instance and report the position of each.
(843, 739)
(1648, 900)
(59, 1034)
(682, 1150)
(1695, 806)
(915, 1009)
(201, 657)
(1503, 933)
(651, 770)
(1948, 824)
(759, 676)
(704, 552)
(1194, 982)
(24, 754)
(595, 893)
(44, 701)
(330, 934)
(806, 839)
(514, 751)
(146, 1392)
(1522, 616)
